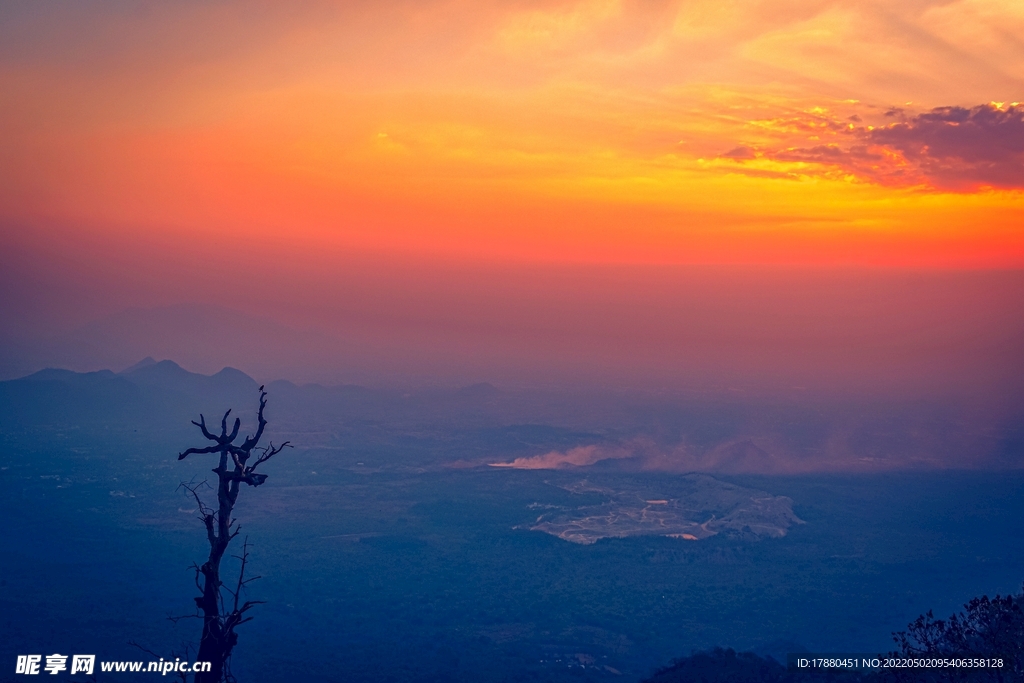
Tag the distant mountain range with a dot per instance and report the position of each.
(482, 425)
(200, 336)
(148, 392)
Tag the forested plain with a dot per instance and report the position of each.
(389, 550)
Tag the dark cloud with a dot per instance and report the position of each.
(949, 148)
(740, 153)
(828, 154)
(956, 147)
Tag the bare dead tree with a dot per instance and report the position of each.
(221, 616)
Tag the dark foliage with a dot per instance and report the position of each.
(987, 628)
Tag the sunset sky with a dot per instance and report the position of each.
(160, 153)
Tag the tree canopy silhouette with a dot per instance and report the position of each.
(987, 628)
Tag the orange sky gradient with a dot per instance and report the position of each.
(594, 131)
(722, 192)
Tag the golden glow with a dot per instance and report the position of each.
(597, 130)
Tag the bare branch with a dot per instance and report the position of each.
(234, 430)
(190, 451)
(193, 489)
(206, 514)
(268, 453)
(175, 620)
(249, 604)
(180, 675)
(224, 427)
(144, 649)
(198, 574)
(202, 425)
(241, 570)
(251, 441)
(244, 559)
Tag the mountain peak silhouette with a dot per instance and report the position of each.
(144, 363)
